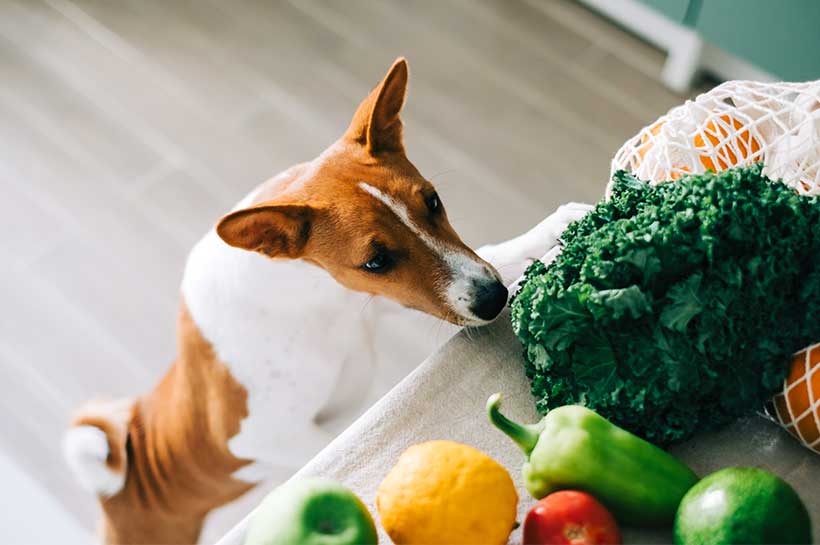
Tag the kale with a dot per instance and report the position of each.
(674, 308)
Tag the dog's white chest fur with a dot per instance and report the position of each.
(305, 348)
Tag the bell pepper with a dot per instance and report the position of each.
(574, 447)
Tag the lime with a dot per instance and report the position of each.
(742, 505)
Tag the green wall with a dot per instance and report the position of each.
(673, 9)
(780, 36)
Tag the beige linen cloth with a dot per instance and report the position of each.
(444, 399)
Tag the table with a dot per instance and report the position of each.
(444, 399)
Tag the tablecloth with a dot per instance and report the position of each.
(444, 398)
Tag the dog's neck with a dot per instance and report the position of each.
(223, 285)
(238, 297)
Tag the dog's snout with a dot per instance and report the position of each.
(490, 299)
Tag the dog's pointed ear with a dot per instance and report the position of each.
(376, 124)
(275, 230)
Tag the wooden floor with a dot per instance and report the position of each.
(127, 128)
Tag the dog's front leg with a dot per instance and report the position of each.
(511, 258)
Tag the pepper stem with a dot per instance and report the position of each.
(526, 436)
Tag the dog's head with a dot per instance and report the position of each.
(365, 214)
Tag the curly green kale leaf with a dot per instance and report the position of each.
(674, 308)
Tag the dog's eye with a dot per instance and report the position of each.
(379, 263)
(433, 203)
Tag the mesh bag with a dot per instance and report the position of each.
(736, 123)
(797, 407)
(739, 123)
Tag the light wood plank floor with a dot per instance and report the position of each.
(128, 127)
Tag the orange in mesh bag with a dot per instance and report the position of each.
(740, 123)
(797, 407)
(721, 147)
(736, 123)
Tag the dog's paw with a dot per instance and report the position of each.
(569, 213)
(549, 230)
(551, 255)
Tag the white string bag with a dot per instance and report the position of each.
(797, 406)
(740, 123)
(736, 123)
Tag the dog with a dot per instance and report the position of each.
(271, 321)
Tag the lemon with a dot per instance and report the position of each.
(441, 492)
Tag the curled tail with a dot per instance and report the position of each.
(94, 445)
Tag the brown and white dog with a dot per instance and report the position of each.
(271, 319)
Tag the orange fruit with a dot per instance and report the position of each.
(725, 144)
(681, 172)
(646, 140)
(797, 407)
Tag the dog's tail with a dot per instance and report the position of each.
(94, 445)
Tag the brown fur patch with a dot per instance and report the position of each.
(178, 463)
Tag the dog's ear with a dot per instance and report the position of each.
(275, 230)
(376, 124)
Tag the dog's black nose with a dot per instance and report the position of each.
(490, 299)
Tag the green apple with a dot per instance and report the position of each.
(311, 512)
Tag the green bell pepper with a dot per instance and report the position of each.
(574, 447)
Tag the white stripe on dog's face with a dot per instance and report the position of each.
(400, 210)
(466, 272)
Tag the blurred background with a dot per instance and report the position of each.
(127, 128)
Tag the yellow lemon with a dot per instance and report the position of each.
(441, 492)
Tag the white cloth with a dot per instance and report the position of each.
(444, 398)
